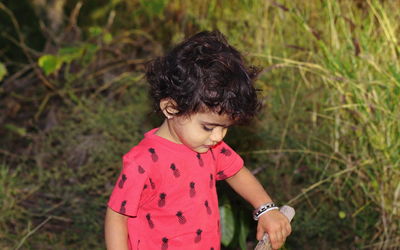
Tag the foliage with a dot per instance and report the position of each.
(73, 100)
(3, 71)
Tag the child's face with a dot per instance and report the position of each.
(199, 131)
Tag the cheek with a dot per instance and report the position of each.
(196, 138)
(193, 134)
(224, 132)
(188, 136)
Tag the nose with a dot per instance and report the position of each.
(218, 134)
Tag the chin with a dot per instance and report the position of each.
(201, 150)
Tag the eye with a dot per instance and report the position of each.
(208, 129)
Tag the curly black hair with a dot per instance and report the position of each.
(205, 73)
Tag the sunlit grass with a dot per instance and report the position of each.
(337, 65)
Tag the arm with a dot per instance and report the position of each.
(273, 222)
(116, 230)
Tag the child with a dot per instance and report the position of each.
(165, 197)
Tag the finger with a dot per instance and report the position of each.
(278, 240)
(276, 244)
(260, 234)
(274, 241)
(280, 237)
(288, 230)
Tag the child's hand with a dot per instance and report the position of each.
(276, 225)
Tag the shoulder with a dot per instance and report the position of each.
(223, 149)
(225, 154)
(138, 154)
(145, 155)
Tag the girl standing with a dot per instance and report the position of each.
(165, 197)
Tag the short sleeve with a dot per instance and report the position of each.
(125, 197)
(228, 161)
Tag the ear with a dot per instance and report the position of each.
(168, 107)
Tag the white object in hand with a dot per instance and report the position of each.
(265, 244)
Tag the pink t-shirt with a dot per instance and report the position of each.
(168, 191)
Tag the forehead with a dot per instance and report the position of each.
(213, 118)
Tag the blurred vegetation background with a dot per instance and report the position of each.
(73, 100)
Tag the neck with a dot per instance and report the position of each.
(165, 131)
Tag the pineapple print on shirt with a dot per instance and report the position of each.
(175, 171)
(154, 155)
(166, 220)
(161, 201)
(197, 239)
(201, 163)
(149, 221)
(181, 218)
(122, 181)
(192, 192)
(226, 152)
(164, 245)
(209, 212)
(141, 170)
(122, 209)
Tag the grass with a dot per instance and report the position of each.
(327, 142)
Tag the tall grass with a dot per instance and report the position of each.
(356, 54)
(336, 94)
(327, 142)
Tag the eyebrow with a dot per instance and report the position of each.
(216, 124)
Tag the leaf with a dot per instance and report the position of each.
(49, 63)
(89, 49)
(3, 71)
(154, 7)
(95, 31)
(243, 230)
(68, 54)
(227, 223)
(342, 215)
(107, 38)
(15, 129)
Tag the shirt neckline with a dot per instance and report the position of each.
(167, 143)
